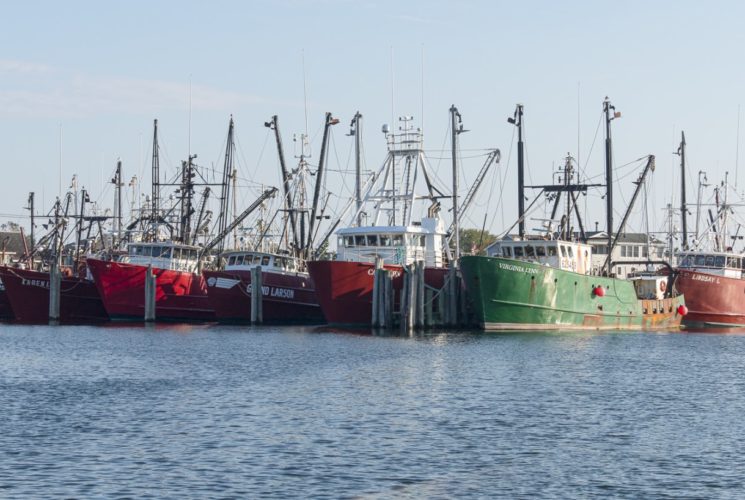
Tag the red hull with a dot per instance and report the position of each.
(344, 289)
(711, 300)
(6, 312)
(179, 296)
(28, 293)
(287, 298)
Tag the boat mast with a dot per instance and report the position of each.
(639, 183)
(117, 181)
(286, 178)
(607, 107)
(683, 207)
(319, 181)
(30, 208)
(155, 197)
(83, 199)
(701, 184)
(517, 120)
(187, 193)
(456, 128)
(225, 188)
(356, 132)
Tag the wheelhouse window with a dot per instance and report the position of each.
(349, 241)
(700, 260)
(385, 240)
(265, 260)
(372, 240)
(398, 240)
(239, 260)
(552, 251)
(231, 259)
(359, 240)
(540, 251)
(529, 251)
(563, 250)
(519, 252)
(570, 252)
(506, 252)
(719, 261)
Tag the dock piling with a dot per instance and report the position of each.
(149, 295)
(54, 293)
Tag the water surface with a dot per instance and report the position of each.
(212, 411)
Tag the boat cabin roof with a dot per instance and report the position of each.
(413, 229)
(711, 260)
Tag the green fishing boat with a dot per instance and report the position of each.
(545, 285)
(548, 281)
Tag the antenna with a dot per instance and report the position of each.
(393, 87)
(305, 93)
(579, 164)
(188, 145)
(59, 192)
(737, 147)
(422, 90)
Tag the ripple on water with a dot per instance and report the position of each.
(296, 412)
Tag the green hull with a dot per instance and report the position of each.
(507, 294)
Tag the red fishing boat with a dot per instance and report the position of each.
(713, 285)
(181, 293)
(28, 295)
(288, 294)
(6, 312)
(391, 237)
(345, 289)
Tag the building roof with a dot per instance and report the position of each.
(11, 242)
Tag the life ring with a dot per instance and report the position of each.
(663, 286)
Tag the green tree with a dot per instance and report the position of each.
(475, 241)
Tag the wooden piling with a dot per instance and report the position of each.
(428, 307)
(452, 296)
(407, 304)
(257, 302)
(387, 301)
(375, 321)
(54, 293)
(420, 321)
(149, 295)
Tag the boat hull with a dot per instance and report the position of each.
(28, 295)
(344, 289)
(6, 312)
(286, 298)
(711, 300)
(507, 294)
(179, 295)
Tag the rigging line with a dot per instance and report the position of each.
(527, 159)
(501, 177)
(592, 147)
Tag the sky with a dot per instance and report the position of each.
(81, 82)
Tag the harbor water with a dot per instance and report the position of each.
(254, 412)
